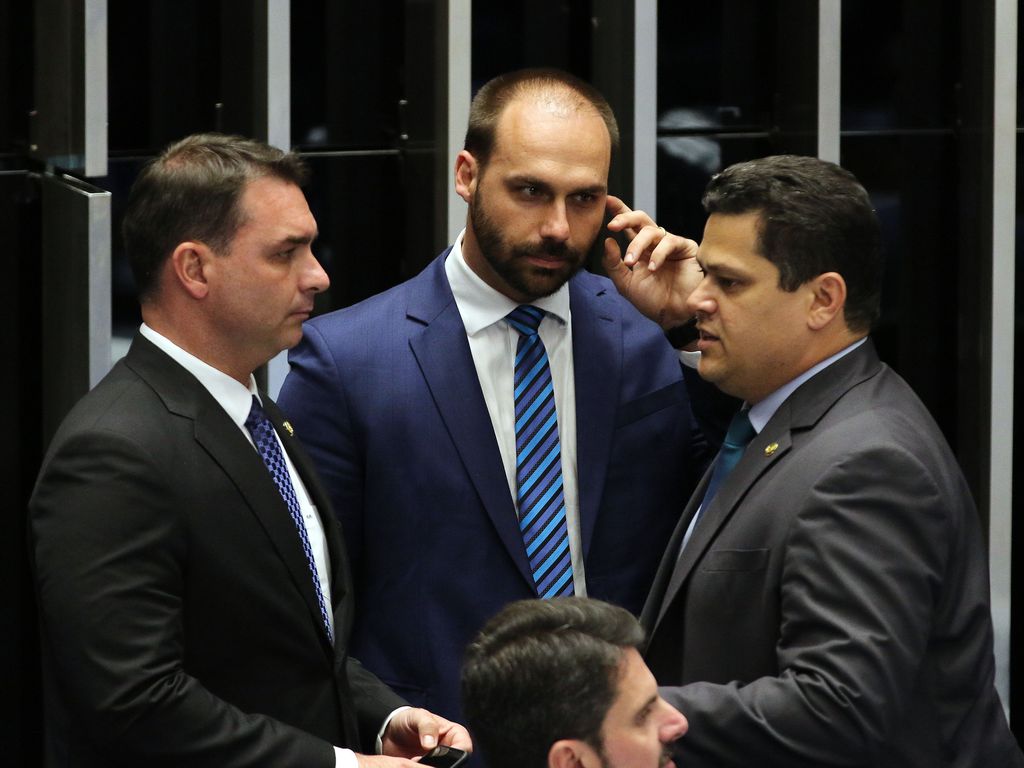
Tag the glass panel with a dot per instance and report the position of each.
(364, 245)
(364, 75)
(901, 63)
(16, 44)
(717, 65)
(913, 185)
(164, 70)
(532, 33)
(686, 164)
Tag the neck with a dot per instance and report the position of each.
(192, 338)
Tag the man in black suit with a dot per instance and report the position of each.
(195, 607)
(829, 604)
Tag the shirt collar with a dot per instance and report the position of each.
(232, 396)
(481, 305)
(761, 413)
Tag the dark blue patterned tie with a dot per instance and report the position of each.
(263, 436)
(539, 460)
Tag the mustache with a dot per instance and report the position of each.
(554, 248)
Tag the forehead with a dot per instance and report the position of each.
(546, 133)
(732, 239)
(270, 203)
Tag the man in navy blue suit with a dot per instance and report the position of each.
(405, 402)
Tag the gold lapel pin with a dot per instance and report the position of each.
(770, 449)
(288, 426)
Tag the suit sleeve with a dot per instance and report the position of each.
(313, 397)
(861, 568)
(109, 553)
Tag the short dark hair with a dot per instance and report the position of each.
(544, 670)
(496, 94)
(191, 191)
(815, 217)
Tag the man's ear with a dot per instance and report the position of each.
(188, 267)
(467, 175)
(828, 300)
(572, 753)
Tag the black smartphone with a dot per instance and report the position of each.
(444, 757)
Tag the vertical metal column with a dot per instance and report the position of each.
(274, 49)
(69, 126)
(1004, 204)
(645, 107)
(76, 293)
(830, 14)
(459, 93)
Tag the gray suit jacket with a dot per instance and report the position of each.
(179, 621)
(832, 605)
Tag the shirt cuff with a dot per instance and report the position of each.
(378, 745)
(344, 758)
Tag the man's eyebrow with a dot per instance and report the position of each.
(300, 239)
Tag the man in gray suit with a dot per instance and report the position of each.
(826, 603)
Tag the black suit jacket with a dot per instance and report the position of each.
(179, 620)
(832, 607)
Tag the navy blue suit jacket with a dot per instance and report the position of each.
(385, 397)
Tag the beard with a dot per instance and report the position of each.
(510, 261)
(665, 759)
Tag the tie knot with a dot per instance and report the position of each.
(525, 318)
(741, 431)
(256, 415)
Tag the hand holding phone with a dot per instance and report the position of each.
(443, 757)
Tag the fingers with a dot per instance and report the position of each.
(656, 246)
(614, 267)
(626, 220)
(615, 206)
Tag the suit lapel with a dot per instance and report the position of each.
(224, 442)
(442, 352)
(756, 460)
(801, 411)
(597, 364)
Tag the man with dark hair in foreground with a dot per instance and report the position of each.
(560, 683)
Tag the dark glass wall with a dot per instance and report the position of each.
(899, 117)
(365, 112)
(736, 80)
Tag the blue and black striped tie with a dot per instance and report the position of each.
(539, 460)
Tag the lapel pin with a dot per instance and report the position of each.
(288, 426)
(768, 449)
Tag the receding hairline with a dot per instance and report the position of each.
(558, 98)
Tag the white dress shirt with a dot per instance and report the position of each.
(492, 343)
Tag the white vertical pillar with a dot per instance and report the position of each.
(460, 87)
(645, 107)
(829, 74)
(279, 124)
(1004, 180)
(95, 88)
(279, 101)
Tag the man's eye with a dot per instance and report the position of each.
(530, 190)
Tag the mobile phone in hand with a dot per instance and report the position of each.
(443, 757)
